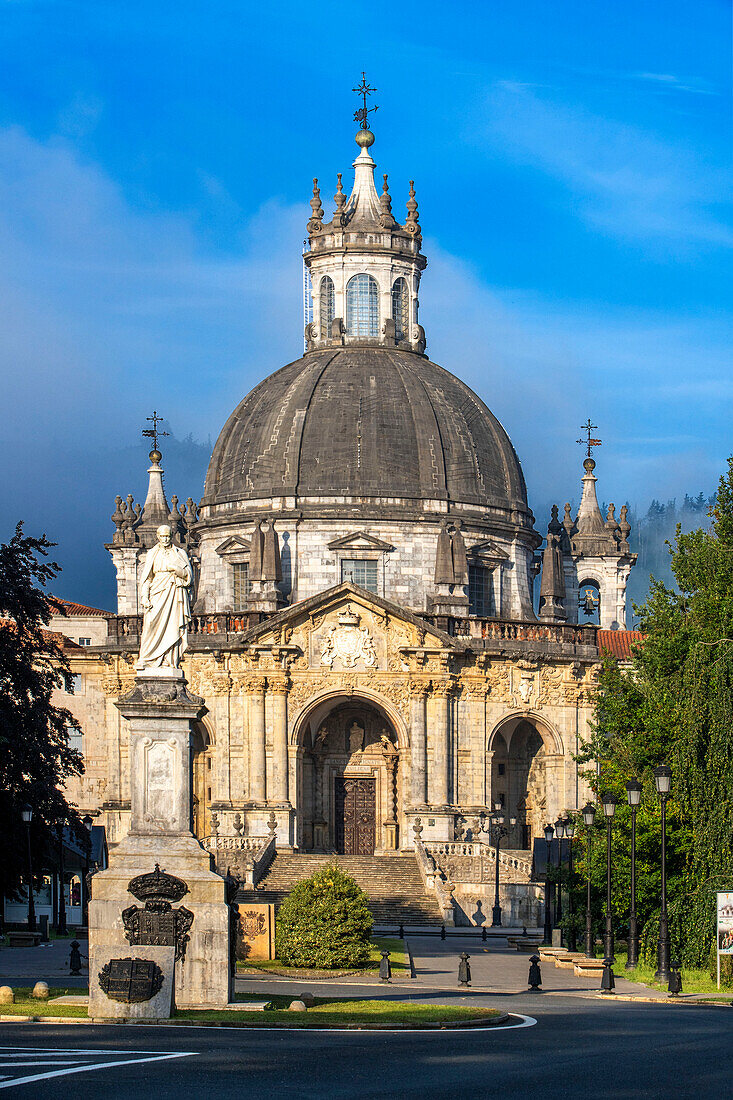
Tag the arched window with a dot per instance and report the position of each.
(401, 309)
(589, 600)
(362, 306)
(327, 307)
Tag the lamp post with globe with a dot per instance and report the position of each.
(589, 816)
(663, 783)
(633, 792)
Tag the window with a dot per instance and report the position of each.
(363, 573)
(479, 590)
(362, 306)
(401, 309)
(76, 738)
(85, 641)
(76, 684)
(242, 585)
(327, 307)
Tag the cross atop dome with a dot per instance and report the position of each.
(362, 115)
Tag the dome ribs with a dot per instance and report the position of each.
(373, 428)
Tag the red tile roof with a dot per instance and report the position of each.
(81, 609)
(619, 642)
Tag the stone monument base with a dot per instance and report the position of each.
(202, 968)
(103, 1006)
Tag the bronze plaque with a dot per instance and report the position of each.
(158, 925)
(131, 980)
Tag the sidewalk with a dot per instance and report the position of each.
(22, 966)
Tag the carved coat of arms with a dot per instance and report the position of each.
(348, 642)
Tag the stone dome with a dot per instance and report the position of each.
(359, 425)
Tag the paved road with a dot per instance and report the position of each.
(576, 1049)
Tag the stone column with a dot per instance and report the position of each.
(278, 687)
(418, 743)
(257, 752)
(439, 785)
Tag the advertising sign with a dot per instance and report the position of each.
(725, 926)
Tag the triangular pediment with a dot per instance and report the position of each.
(359, 540)
(235, 544)
(487, 550)
(342, 598)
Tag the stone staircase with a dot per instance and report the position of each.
(393, 885)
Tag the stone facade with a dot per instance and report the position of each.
(364, 561)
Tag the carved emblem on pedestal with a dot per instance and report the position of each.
(158, 924)
(348, 642)
(131, 980)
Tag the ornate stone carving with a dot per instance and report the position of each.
(348, 643)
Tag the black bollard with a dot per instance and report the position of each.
(442, 931)
(385, 970)
(74, 958)
(464, 970)
(674, 986)
(608, 981)
(534, 981)
(402, 932)
(483, 932)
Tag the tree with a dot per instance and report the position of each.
(675, 706)
(35, 757)
(324, 922)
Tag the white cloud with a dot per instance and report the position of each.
(620, 179)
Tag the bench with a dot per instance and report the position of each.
(24, 939)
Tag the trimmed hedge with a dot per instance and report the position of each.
(324, 922)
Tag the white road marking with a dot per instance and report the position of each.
(29, 1059)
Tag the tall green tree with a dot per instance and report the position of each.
(675, 706)
(35, 757)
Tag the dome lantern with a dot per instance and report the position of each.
(364, 265)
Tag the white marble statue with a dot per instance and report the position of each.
(164, 586)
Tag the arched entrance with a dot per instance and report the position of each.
(349, 798)
(519, 779)
(201, 781)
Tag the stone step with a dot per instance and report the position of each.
(393, 884)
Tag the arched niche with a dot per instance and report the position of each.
(349, 775)
(201, 779)
(519, 748)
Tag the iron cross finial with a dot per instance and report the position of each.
(154, 432)
(590, 442)
(362, 115)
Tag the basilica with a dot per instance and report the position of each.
(386, 647)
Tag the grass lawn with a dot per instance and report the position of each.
(327, 1012)
(25, 1005)
(399, 960)
(693, 981)
(338, 1012)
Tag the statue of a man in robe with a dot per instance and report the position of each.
(164, 596)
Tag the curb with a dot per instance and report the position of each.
(448, 1025)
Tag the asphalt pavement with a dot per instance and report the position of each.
(576, 1049)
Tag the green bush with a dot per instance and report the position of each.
(325, 922)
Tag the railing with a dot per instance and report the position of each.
(433, 881)
(475, 849)
(507, 630)
(124, 628)
(259, 852)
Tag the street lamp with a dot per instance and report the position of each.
(570, 837)
(663, 783)
(633, 793)
(547, 941)
(589, 816)
(496, 831)
(87, 821)
(27, 815)
(609, 802)
(560, 834)
(61, 929)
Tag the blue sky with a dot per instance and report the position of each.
(573, 169)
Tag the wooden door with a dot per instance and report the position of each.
(355, 816)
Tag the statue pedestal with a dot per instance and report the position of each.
(189, 911)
